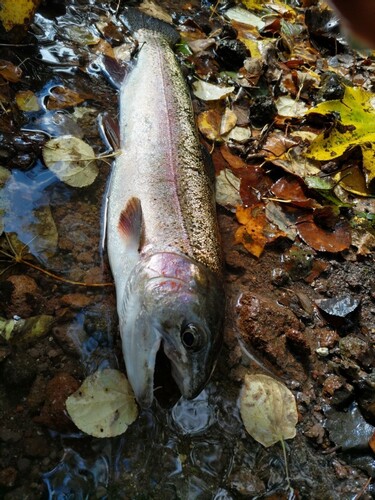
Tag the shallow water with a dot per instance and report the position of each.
(196, 449)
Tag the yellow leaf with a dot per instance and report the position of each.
(27, 101)
(256, 231)
(268, 409)
(19, 12)
(355, 127)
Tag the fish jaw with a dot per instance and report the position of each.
(166, 292)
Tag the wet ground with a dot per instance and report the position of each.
(196, 449)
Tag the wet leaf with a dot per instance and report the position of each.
(286, 106)
(71, 160)
(154, 10)
(335, 239)
(353, 180)
(256, 231)
(290, 190)
(17, 13)
(355, 125)
(245, 17)
(209, 123)
(25, 330)
(268, 409)
(339, 307)
(281, 219)
(233, 160)
(104, 405)
(228, 189)
(80, 35)
(210, 92)
(63, 97)
(9, 71)
(27, 101)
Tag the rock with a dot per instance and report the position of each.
(9, 436)
(279, 277)
(8, 477)
(298, 342)
(77, 300)
(37, 393)
(245, 483)
(357, 349)
(24, 297)
(53, 414)
(36, 446)
(337, 389)
(19, 370)
(70, 337)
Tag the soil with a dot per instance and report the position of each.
(284, 318)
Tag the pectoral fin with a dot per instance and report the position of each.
(130, 224)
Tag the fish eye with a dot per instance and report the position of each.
(191, 337)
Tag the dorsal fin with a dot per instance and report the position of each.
(130, 224)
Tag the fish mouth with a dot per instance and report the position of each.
(166, 390)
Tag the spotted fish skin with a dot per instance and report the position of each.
(162, 236)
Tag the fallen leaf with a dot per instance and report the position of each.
(277, 144)
(292, 108)
(290, 190)
(353, 180)
(210, 92)
(256, 231)
(17, 13)
(334, 239)
(209, 123)
(25, 330)
(104, 405)
(233, 160)
(245, 17)
(154, 10)
(228, 121)
(268, 409)
(79, 34)
(9, 71)
(354, 126)
(281, 219)
(239, 134)
(71, 160)
(63, 97)
(228, 189)
(27, 101)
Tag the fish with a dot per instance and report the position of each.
(163, 238)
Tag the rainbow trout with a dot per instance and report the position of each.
(162, 233)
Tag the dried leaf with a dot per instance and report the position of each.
(239, 134)
(62, 97)
(104, 405)
(228, 121)
(268, 409)
(228, 189)
(334, 239)
(290, 190)
(9, 71)
(245, 17)
(209, 124)
(71, 160)
(256, 231)
(25, 330)
(210, 92)
(154, 10)
(233, 160)
(27, 101)
(286, 106)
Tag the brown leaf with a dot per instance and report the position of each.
(62, 97)
(256, 231)
(9, 71)
(209, 123)
(289, 189)
(322, 239)
(277, 144)
(234, 160)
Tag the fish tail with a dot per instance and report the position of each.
(135, 20)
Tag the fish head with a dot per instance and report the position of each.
(175, 304)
